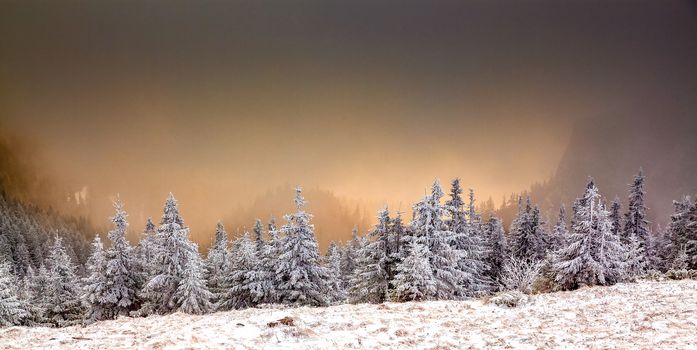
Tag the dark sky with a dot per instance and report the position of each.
(222, 101)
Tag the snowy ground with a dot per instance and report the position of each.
(646, 315)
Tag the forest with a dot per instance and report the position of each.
(51, 276)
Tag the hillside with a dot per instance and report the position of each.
(644, 315)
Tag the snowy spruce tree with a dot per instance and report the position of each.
(593, 255)
(146, 249)
(172, 253)
(615, 216)
(635, 224)
(682, 230)
(217, 262)
(560, 232)
(63, 292)
(371, 276)
(192, 294)
(95, 285)
(301, 278)
(414, 280)
(244, 280)
(123, 270)
(12, 309)
(349, 256)
(527, 236)
(37, 285)
(496, 242)
(332, 262)
(468, 240)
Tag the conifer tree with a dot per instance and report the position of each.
(38, 285)
(332, 262)
(146, 248)
(635, 223)
(414, 279)
(63, 294)
(172, 253)
(12, 309)
(560, 232)
(123, 273)
(217, 262)
(95, 285)
(299, 274)
(348, 259)
(527, 234)
(681, 230)
(496, 256)
(615, 216)
(192, 294)
(371, 277)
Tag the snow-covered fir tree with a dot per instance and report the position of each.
(431, 230)
(12, 309)
(217, 262)
(123, 271)
(37, 285)
(259, 244)
(332, 262)
(371, 276)
(63, 293)
(146, 249)
(301, 278)
(594, 254)
(192, 294)
(560, 232)
(635, 222)
(349, 255)
(616, 216)
(414, 280)
(496, 242)
(683, 231)
(171, 257)
(468, 240)
(527, 234)
(95, 285)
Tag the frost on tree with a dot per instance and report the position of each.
(95, 285)
(12, 310)
(332, 263)
(467, 239)
(37, 285)
(301, 279)
(430, 229)
(239, 291)
(348, 259)
(171, 257)
(496, 242)
(683, 231)
(217, 262)
(593, 255)
(192, 295)
(636, 229)
(560, 232)
(414, 279)
(371, 277)
(63, 294)
(147, 247)
(123, 271)
(527, 235)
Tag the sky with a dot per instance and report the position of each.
(222, 103)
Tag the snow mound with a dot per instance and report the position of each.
(643, 315)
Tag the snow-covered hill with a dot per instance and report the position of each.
(646, 315)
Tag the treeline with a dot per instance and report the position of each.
(447, 251)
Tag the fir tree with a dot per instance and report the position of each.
(12, 310)
(38, 286)
(371, 277)
(123, 273)
(95, 285)
(414, 279)
(192, 294)
(635, 223)
(615, 216)
(63, 294)
(527, 234)
(301, 279)
(172, 253)
(681, 231)
(560, 232)
(496, 256)
(332, 262)
(348, 259)
(146, 248)
(217, 262)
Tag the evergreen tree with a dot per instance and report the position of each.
(238, 294)
(259, 243)
(496, 256)
(123, 272)
(615, 216)
(560, 232)
(12, 310)
(38, 286)
(349, 257)
(217, 262)
(371, 277)
(332, 263)
(635, 223)
(527, 234)
(171, 257)
(681, 231)
(593, 254)
(95, 285)
(301, 278)
(63, 294)
(146, 248)
(414, 279)
(192, 294)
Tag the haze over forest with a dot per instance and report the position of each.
(231, 105)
